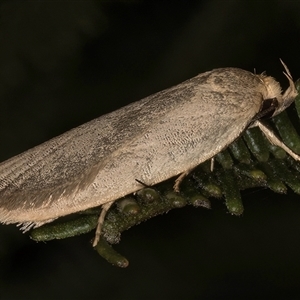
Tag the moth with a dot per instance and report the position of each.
(161, 136)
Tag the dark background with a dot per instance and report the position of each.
(63, 63)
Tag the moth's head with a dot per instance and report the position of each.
(273, 91)
(273, 88)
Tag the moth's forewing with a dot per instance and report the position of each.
(151, 140)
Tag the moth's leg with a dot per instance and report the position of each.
(142, 183)
(179, 180)
(105, 207)
(212, 164)
(270, 135)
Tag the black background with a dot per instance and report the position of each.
(64, 63)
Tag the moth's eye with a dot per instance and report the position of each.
(269, 106)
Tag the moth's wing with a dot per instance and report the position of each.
(44, 183)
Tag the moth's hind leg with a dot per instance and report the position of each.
(105, 208)
(179, 180)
